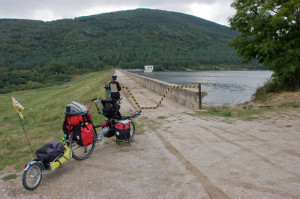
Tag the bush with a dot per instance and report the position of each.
(274, 85)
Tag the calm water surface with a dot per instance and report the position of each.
(224, 88)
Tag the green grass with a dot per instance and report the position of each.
(162, 117)
(43, 115)
(243, 113)
(9, 177)
(224, 111)
(190, 114)
(139, 127)
(247, 113)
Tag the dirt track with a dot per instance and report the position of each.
(182, 156)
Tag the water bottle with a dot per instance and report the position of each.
(100, 134)
(63, 140)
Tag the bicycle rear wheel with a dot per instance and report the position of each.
(32, 176)
(132, 130)
(82, 152)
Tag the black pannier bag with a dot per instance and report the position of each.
(122, 130)
(107, 108)
(50, 151)
(109, 134)
(107, 112)
(110, 109)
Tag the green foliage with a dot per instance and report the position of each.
(270, 86)
(269, 32)
(34, 53)
(273, 85)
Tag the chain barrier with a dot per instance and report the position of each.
(163, 97)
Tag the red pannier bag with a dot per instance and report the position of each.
(84, 134)
(78, 119)
(122, 131)
(105, 123)
(72, 121)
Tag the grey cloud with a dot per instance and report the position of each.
(27, 9)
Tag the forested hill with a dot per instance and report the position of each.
(50, 51)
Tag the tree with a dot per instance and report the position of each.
(269, 32)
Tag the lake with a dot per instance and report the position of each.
(224, 88)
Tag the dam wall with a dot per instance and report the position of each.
(186, 96)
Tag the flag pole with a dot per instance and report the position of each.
(26, 136)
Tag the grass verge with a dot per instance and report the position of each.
(139, 127)
(43, 115)
(162, 117)
(9, 177)
(257, 109)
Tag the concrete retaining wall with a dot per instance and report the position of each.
(188, 97)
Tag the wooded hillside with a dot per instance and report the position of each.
(35, 53)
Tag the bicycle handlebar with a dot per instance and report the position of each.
(135, 114)
(96, 101)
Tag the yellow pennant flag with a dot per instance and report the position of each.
(19, 108)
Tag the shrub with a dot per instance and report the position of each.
(274, 85)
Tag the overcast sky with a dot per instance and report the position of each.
(47, 10)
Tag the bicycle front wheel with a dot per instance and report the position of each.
(32, 176)
(82, 152)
